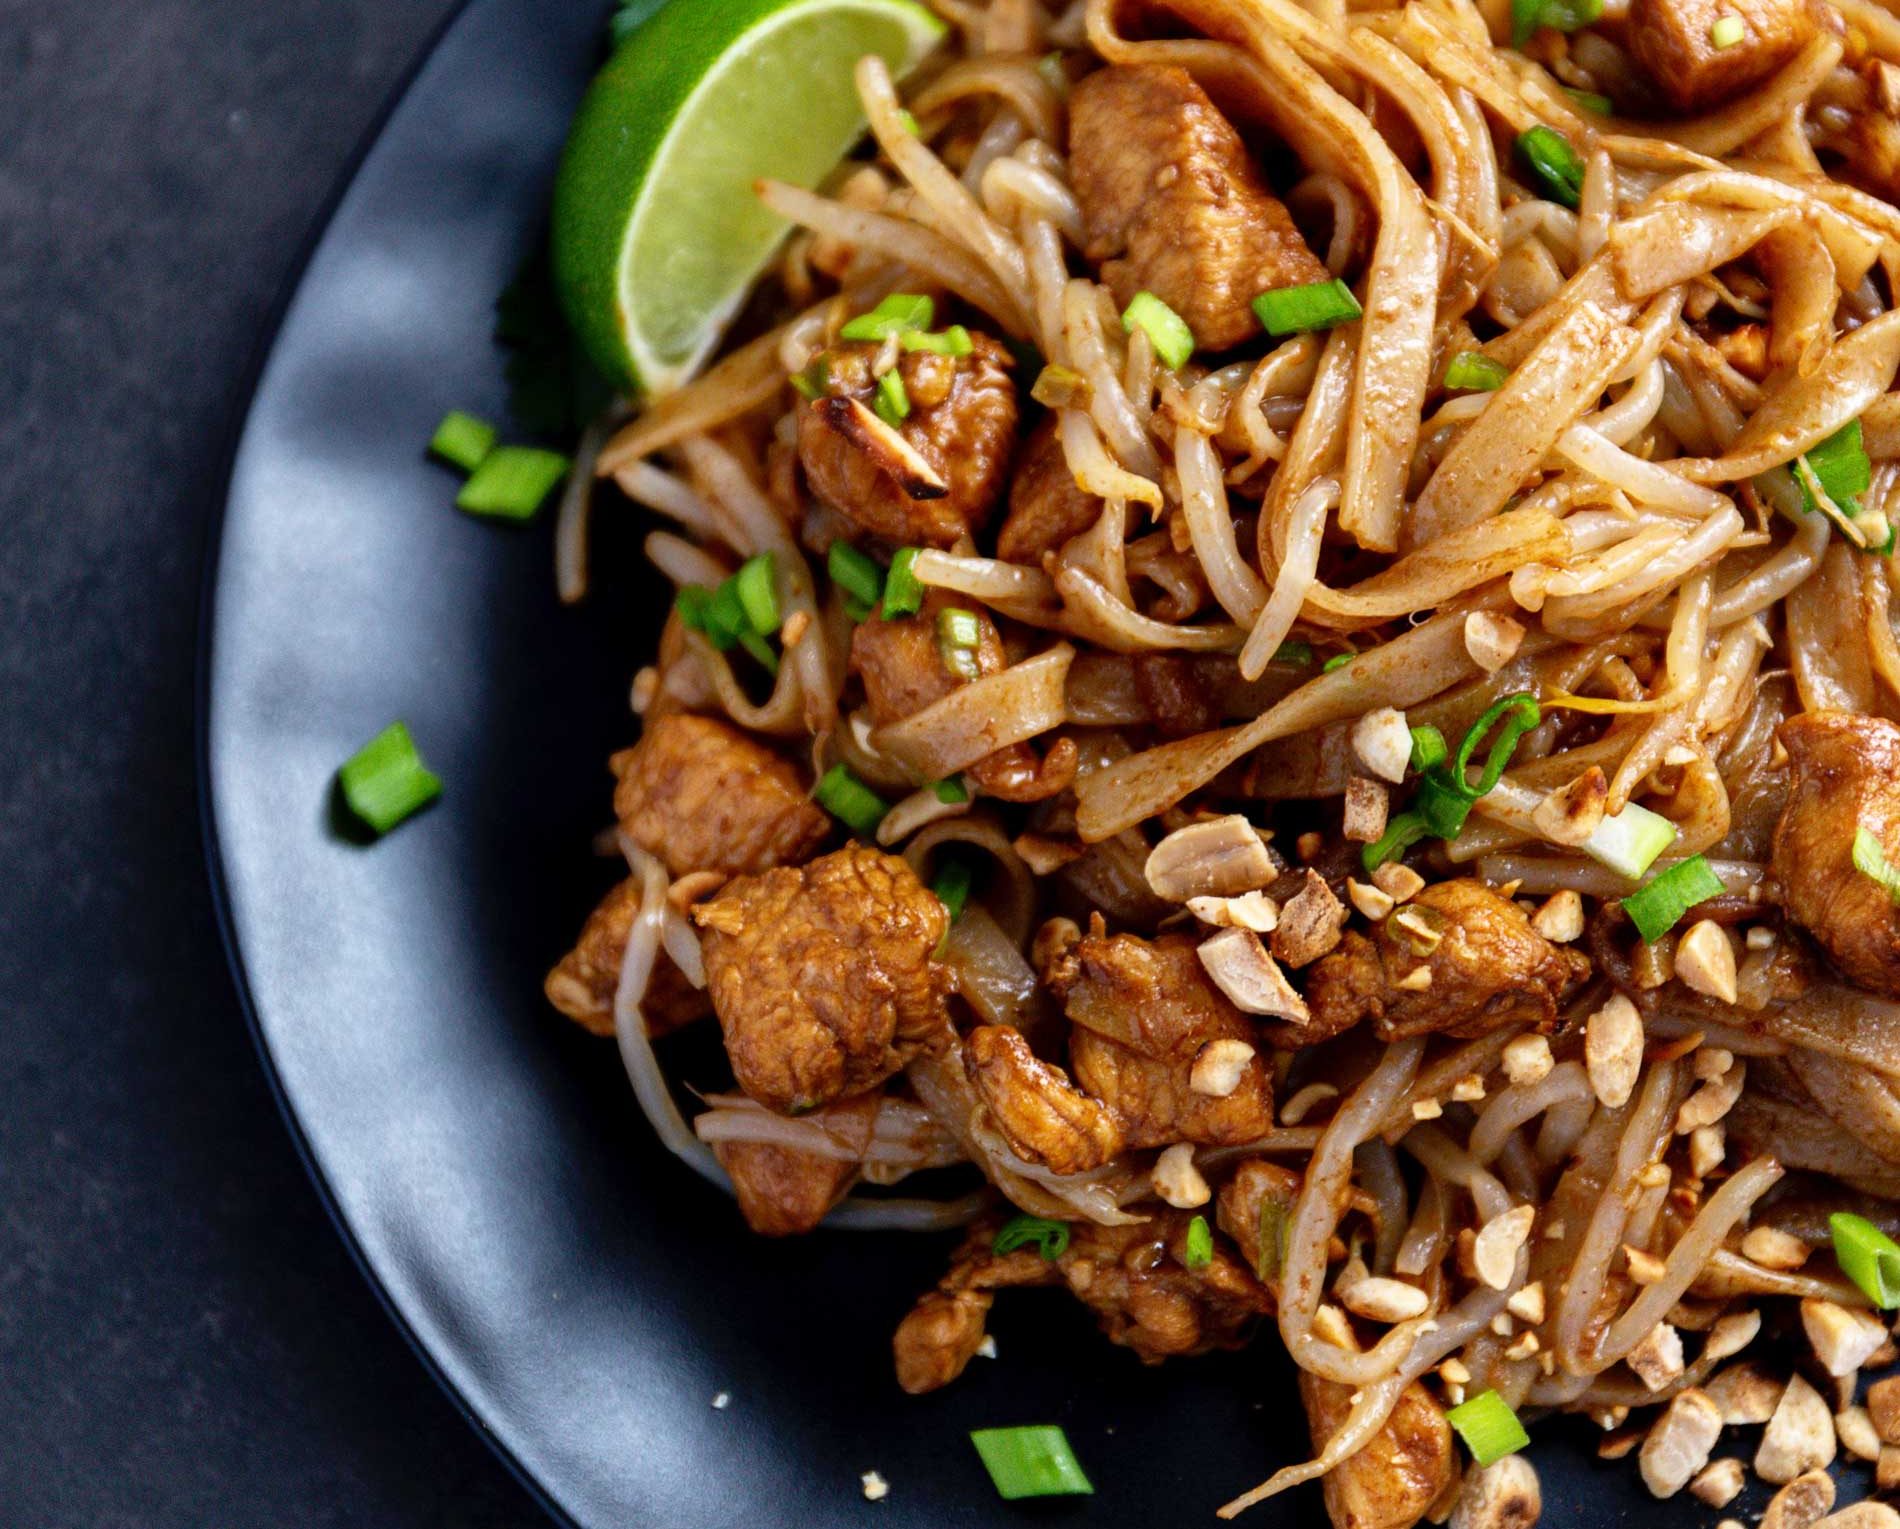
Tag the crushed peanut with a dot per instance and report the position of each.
(1842, 1340)
(1731, 1334)
(1219, 1066)
(1494, 1253)
(1417, 980)
(1250, 910)
(1527, 1304)
(876, 1488)
(1492, 640)
(1220, 857)
(1613, 1050)
(1883, 1406)
(1657, 1360)
(1744, 1393)
(1426, 1109)
(1527, 1059)
(1177, 1180)
(1855, 1429)
(1560, 919)
(1574, 811)
(1398, 881)
(1384, 1300)
(1800, 1503)
(1718, 1483)
(1369, 900)
(1310, 923)
(1383, 742)
(1644, 1267)
(1238, 964)
(1705, 961)
(1469, 1089)
(1678, 1446)
(1799, 1436)
(1707, 1147)
(1773, 1248)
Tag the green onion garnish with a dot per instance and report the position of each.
(385, 780)
(1592, 101)
(1199, 1252)
(1656, 908)
(1166, 330)
(954, 341)
(1727, 31)
(1831, 476)
(715, 614)
(892, 401)
(1867, 1256)
(1445, 791)
(1629, 842)
(1565, 15)
(1337, 661)
(951, 790)
(1316, 305)
(850, 801)
(1871, 861)
(1050, 1237)
(758, 593)
(1300, 653)
(952, 886)
(1428, 748)
(762, 650)
(1474, 372)
(899, 312)
(903, 593)
(1552, 164)
(1488, 1426)
(511, 482)
(854, 572)
(463, 439)
(959, 633)
(1031, 1461)
(1401, 833)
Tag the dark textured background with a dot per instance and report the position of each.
(183, 1340)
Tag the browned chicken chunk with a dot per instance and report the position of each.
(1173, 204)
(1674, 41)
(1142, 1012)
(822, 976)
(1134, 1278)
(1045, 506)
(1399, 1474)
(1846, 778)
(1255, 1207)
(1044, 1117)
(783, 1192)
(1488, 967)
(704, 796)
(583, 983)
(939, 474)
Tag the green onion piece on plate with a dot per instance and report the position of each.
(1031, 1461)
(1564, 15)
(758, 593)
(1199, 1252)
(954, 341)
(1298, 310)
(714, 613)
(1592, 101)
(1051, 1238)
(1488, 1426)
(952, 886)
(1657, 907)
(385, 780)
(1300, 653)
(892, 402)
(511, 482)
(899, 312)
(1166, 330)
(1867, 1256)
(903, 593)
(1337, 661)
(855, 572)
(1552, 164)
(1474, 372)
(951, 790)
(958, 634)
(850, 801)
(1727, 31)
(1629, 842)
(463, 439)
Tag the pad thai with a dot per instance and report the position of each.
(1283, 692)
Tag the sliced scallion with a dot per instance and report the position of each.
(850, 801)
(385, 780)
(1564, 15)
(899, 312)
(511, 482)
(1872, 862)
(1592, 101)
(903, 593)
(1546, 154)
(758, 593)
(1401, 832)
(1474, 372)
(951, 791)
(1050, 1238)
(762, 650)
(1488, 1426)
(1629, 842)
(1300, 653)
(463, 439)
(1867, 1256)
(1337, 661)
(954, 341)
(892, 402)
(1656, 908)
(1298, 310)
(1198, 1252)
(854, 572)
(959, 634)
(1030, 1461)
(951, 885)
(1726, 31)
(1166, 330)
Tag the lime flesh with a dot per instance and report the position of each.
(657, 231)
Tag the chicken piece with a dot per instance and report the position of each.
(1255, 1207)
(1045, 506)
(583, 982)
(1489, 969)
(939, 474)
(1400, 1473)
(704, 796)
(1042, 1115)
(1142, 1012)
(822, 976)
(1173, 205)
(944, 1329)
(1673, 40)
(1846, 778)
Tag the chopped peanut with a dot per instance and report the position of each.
(1883, 1406)
(1644, 1268)
(1503, 1495)
(1613, 1050)
(1384, 1300)
(1527, 1305)
(1250, 910)
(1773, 1248)
(1657, 1360)
(1398, 881)
(1705, 961)
(1855, 1429)
(1219, 1067)
(1369, 900)
(1679, 1444)
(1494, 1253)
(1365, 811)
(1731, 1334)
(1718, 1483)
(1527, 1059)
(1574, 811)
(1744, 1393)
(1842, 1340)
(1177, 1180)
(1560, 919)
(1707, 1147)
(1383, 742)
(1219, 857)
(1801, 1502)
(1309, 924)
(1799, 1437)
(1492, 640)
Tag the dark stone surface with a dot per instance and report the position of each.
(183, 1339)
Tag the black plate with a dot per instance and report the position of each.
(580, 1293)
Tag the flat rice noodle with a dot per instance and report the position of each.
(1800, 1135)
(975, 720)
(1880, 428)
(1827, 637)
(1852, 238)
(1864, 1104)
(1313, 451)
(1840, 1021)
(1418, 664)
(1555, 385)
(1682, 240)
(1804, 411)
(1448, 566)
(1799, 268)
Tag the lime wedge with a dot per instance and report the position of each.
(657, 232)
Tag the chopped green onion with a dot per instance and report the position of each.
(952, 886)
(910, 123)
(1199, 1252)
(899, 312)
(385, 780)
(1474, 372)
(1337, 661)
(1166, 330)
(463, 439)
(762, 650)
(1428, 748)
(958, 628)
(951, 790)
(1273, 1239)
(954, 341)
(1049, 66)
(1831, 476)
(1727, 31)
(1050, 1237)
(758, 593)
(855, 572)
(511, 482)
(850, 801)
(1488, 1426)
(1445, 792)
(903, 593)
(714, 613)
(892, 402)
(1592, 101)
(1316, 305)
(1300, 653)
(1552, 164)
(806, 386)
(1401, 833)
(1032, 1461)
(1657, 907)
(1061, 387)
(1629, 842)
(1564, 15)
(1867, 1256)
(1872, 862)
